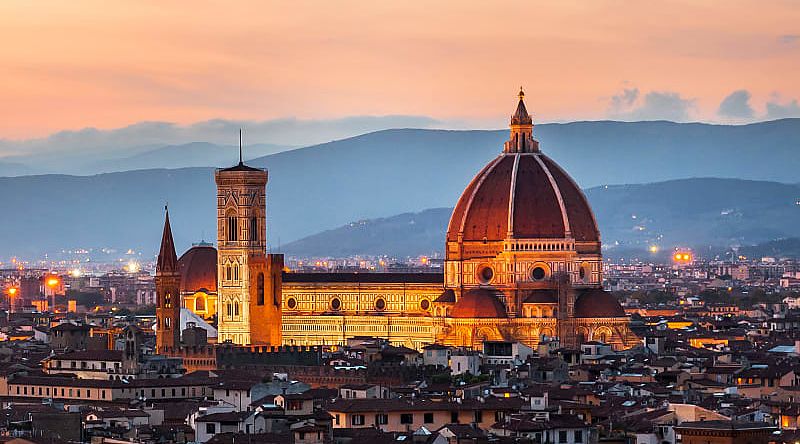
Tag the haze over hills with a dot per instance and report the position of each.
(92, 150)
(195, 154)
(398, 171)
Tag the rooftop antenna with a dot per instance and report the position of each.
(240, 147)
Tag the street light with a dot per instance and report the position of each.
(52, 282)
(12, 292)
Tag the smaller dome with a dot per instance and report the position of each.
(479, 303)
(198, 269)
(597, 303)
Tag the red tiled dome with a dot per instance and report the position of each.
(546, 203)
(597, 303)
(478, 303)
(198, 268)
(523, 194)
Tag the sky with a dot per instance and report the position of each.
(68, 66)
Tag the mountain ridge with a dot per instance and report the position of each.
(755, 220)
(373, 175)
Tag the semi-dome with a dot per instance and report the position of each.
(198, 269)
(478, 303)
(597, 303)
(522, 194)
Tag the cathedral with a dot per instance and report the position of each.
(522, 262)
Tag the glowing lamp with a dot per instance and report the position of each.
(12, 291)
(682, 257)
(52, 282)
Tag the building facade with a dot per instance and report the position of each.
(168, 304)
(523, 262)
(249, 288)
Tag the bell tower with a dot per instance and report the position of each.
(167, 280)
(249, 280)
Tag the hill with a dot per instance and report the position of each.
(195, 154)
(378, 174)
(690, 212)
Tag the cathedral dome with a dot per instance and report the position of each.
(522, 194)
(478, 303)
(597, 303)
(198, 269)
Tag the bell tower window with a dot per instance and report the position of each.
(233, 228)
(254, 229)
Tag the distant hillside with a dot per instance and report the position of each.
(691, 212)
(404, 235)
(777, 248)
(195, 154)
(391, 172)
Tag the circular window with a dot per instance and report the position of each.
(425, 304)
(336, 304)
(291, 303)
(485, 275)
(538, 273)
(380, 304)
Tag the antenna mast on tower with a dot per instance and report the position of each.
(240, 147)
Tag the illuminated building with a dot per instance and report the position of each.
(168, 307)
(198, 268)
(249, 280)
(523, 261)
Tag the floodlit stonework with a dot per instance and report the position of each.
(523, 262)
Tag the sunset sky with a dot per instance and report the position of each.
(71, 65)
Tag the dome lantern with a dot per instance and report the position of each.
(521, 138)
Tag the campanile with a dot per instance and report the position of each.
(249, 280)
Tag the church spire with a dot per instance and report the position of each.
(521, 139)
(167, 259)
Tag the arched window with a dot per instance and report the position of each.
(235, 272)
(254, 229)
(228, 274)
(236, 309)
(260, 289)
(233, 227)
